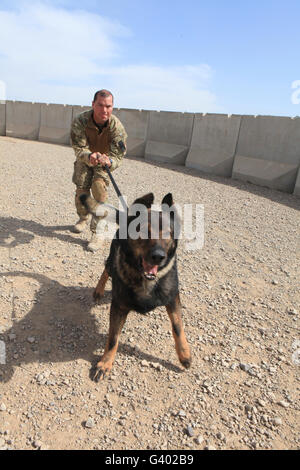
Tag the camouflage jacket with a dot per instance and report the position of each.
(87, 138)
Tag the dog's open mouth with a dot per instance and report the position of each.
(150, 271)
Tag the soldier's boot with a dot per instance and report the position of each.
(80, 225)
(98, 225)
(95, 243)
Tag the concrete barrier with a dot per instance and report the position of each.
(23, 119)
(136, 125)
(169, 136)
(297, 185)
(2, 118)
(263, 150)
(268, 152)
(213, 143)
(56, 122)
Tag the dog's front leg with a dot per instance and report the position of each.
(99, 291)
(181, 344)
(117, 319)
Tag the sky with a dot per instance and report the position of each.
(217, 56)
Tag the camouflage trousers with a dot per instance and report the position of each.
(88, 179)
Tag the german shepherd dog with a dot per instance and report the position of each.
(144, 276)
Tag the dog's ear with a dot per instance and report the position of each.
(146, 200)
(168, 200)
(170, 209)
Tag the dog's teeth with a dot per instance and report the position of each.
(149, 276)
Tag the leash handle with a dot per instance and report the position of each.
(116, 188)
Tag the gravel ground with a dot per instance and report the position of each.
(240, 297)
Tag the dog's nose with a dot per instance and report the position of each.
(158, 255)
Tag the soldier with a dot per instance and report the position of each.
(98, 139)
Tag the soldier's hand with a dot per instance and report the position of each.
(94, 158)
(104, 160)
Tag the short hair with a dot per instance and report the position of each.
(104, 94)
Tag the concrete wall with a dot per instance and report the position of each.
(169, 136)
(268, 151)
(56, 122)
(214, 143)
(297, 185)
(23, 119)
(136, 124)
(264, 150)
(2, 118)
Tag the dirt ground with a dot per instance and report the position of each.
(240, 296)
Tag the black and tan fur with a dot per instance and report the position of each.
(144, 276)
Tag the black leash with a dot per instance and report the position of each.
(121, 198)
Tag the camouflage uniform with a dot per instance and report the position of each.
(88, 137)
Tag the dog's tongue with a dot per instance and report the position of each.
(149, 269)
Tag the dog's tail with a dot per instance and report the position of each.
(100, 209)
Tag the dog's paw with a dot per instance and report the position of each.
(97, 295)
(100, 371)
(185, 360)
(186, 363)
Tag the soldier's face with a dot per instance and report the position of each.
(103, 108)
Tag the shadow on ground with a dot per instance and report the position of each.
(14, 232)
(63, 328)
